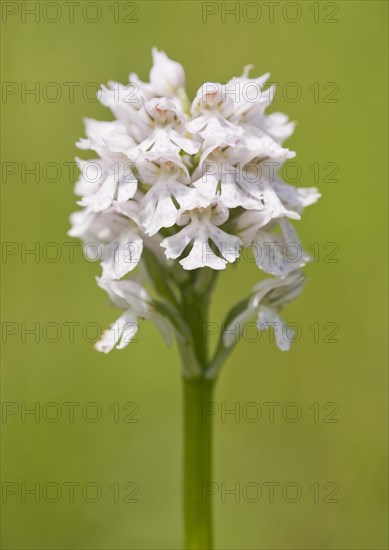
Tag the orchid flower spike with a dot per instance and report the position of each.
(178, 190)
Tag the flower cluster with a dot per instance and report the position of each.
(194, 183)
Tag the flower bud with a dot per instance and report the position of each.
(166, 76)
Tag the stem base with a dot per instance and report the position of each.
(197, 395)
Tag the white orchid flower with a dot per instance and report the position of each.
(135, 300)
(268, 298)
(202, 227)
(179, 187)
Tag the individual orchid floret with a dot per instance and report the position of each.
(295, 198)
(112, 176)
(201, 229)
(108, 139)
(168, 193)
(135, 300)
(268, 298)
(124, 100)
(212, 97)
(251, 101)
(278, 253)
(210, 112)
(276, 125)
(164, 131)
(249, 222)
(220, 176)
(101, 183)
(162, 111)
(112, 236)
(258, 147)
(247, 93)
(223, 181)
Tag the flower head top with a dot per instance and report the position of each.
(187, 184)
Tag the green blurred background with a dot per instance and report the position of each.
(348, 293)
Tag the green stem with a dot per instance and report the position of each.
(197, 393)
(195, 304)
